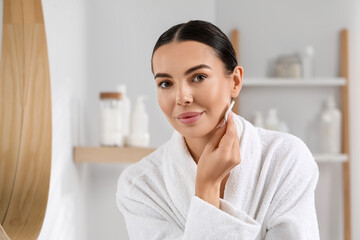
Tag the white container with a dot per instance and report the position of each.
(308, 62)
(283, 127)
(272, 120)
(111, 119)
(126, 106)
(139, 131)
(288, 66)
(258, 120)
(331, 121)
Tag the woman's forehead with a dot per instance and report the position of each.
(183, 55)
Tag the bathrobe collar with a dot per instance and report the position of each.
(179, 168)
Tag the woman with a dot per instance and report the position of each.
(215, 180)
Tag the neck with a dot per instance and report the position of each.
(196, 146)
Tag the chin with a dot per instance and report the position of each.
(193, 131)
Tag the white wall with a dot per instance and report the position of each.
(66, 40)
(354, 56)
(271, 28)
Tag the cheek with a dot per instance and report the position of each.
(165, 103)
(218, 95)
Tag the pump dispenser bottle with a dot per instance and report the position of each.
(331, 119)
(258, 120)
(125, 107)
(139, 133)
(272, 120)
(308, 62)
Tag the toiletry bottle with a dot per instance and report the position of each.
(125, 105)
(288, 66)
(111, 119)
(139, 135)
(272, 121)
(283, 127)
(308, 62)
(331, 119)
(258, 120)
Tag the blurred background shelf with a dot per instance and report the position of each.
(134, 154)
(110, 154)
(340, 158)
(338, 81)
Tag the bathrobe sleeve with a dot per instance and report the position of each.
(146, 219)
(292, 213)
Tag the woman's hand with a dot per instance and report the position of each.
(221, 154)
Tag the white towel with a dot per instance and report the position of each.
(269, 195)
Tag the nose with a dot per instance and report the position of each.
(184, 95)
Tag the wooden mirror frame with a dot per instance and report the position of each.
(25, 120)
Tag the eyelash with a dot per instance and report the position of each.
(159, 85)
(203, 75)
(195, 76)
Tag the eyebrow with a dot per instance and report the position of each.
(196, 68)
(190, 70)
(159, 75)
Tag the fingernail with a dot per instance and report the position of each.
(230, 114)
(222, 123)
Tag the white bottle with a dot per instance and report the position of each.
(331, 119)
(308, 62)
(258, 120)
(272, 121)
(283, 127)
(125, 102)
(111, 119)
(139, 134)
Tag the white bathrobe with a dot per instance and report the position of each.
(269, 195)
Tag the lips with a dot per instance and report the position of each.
(189, 117)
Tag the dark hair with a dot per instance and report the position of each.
(203, 32)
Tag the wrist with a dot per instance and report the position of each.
(209, 193)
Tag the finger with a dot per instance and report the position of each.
(236, 149)
(215, 139)
(230, 134)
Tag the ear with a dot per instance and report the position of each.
(237, 78)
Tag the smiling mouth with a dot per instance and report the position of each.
(189, 118)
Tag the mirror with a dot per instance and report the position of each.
(25, 119)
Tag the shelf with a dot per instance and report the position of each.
(110, 154)
(133, 154)
(320, 158)
(294, 82)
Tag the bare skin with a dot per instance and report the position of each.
(222, 148)
(192, 78)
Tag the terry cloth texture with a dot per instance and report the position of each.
(269, 195)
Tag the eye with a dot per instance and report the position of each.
(199, 78)
(165, 84)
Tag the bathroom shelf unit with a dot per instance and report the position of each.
(302, 85)
(292, 83)
(335, 158)
(263, 82)
(110, 154)
(133, 154)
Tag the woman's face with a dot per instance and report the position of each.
(193, 88)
